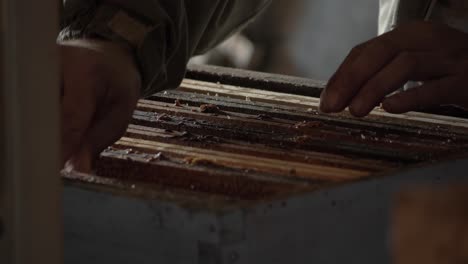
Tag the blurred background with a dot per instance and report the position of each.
(297, 37)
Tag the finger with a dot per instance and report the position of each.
(356, 51)
(80, 161)
(429, 94)
(356, 72)
(78, 106)
(106, 131)
(403, 68)
(111, 123)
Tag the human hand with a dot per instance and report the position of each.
(434, 54)
(100, 88)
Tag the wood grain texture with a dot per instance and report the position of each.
(271, 143)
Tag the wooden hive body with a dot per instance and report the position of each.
(217, 173)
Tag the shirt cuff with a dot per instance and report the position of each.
(147, 38)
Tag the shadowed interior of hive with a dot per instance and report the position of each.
(251, 144)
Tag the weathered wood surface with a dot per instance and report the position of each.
(255, 144)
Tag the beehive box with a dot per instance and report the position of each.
(214, 172)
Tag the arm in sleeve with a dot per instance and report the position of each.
(163, 34)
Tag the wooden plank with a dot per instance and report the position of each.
(259, 80)
(355, 145)
(294, 169)
(269, 138)
(376, 124)
(233, 146)
(307, 102)
(321, 129)
(135, 168)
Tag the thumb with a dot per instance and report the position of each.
(81, 160)
(78, 106)
(110, 124)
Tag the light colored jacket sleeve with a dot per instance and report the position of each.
(396, 12)
(179, 30)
